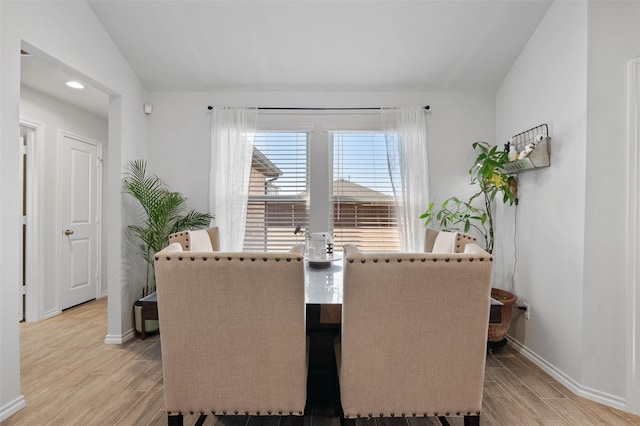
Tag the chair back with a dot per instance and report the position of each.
(197, 240)
(446, 242)
(414, 332)
(232, 331)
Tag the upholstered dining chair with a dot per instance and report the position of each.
(233, 333)
(437, 241)
(197, 240)
(414, 334)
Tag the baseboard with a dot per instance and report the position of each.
(51, 313)
(13, 407)
(575, 387)
(118, 339)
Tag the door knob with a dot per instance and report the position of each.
(68, 232)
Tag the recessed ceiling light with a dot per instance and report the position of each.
(75, 85)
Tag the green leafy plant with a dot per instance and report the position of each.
(165, 213)
(477, 213)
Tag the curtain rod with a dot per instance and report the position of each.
(426, 107)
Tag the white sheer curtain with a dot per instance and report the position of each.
(232, 133)
(408, 168)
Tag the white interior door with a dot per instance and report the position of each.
(80, 220)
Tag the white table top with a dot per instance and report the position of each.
(323, 286)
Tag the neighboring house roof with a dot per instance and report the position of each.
(351, 192)
(348, 191)
(262, 164)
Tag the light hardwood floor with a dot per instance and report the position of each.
(70, 377)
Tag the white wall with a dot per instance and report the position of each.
(571, 219)
(179, 149)
(84, 46)
(614, 39)
(56, 116)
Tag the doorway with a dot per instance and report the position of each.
(63, 150)
(30, 264)
(633, 244)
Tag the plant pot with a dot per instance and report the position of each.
(149, 325)
(497, 331)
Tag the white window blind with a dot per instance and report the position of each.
(362, 194)
(278, 196)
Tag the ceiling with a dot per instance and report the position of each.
(48, 76)
(314, 45)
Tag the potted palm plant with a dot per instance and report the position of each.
(477, 214)
(165, 212)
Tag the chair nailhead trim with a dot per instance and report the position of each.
(236, 412)
(191, 412)
(413, 414)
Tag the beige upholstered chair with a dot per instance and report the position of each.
(446, 242)
(197, 240)
(233, 333)
(414, 333)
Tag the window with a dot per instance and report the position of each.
(361, 196)
(278, 196)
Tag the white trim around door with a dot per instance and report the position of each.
(633, 242)
(34, 253)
